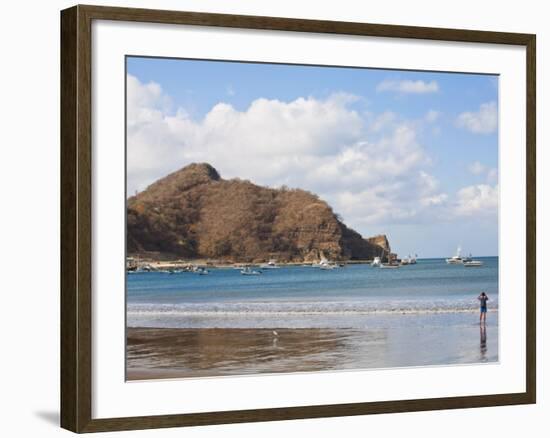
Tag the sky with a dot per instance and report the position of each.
(409, 154)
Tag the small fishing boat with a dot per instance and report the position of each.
(199, 270)
(327, 265)
(175, 271)
(392, 262)
(389, 266)
(376, 262)
(272, 264)
(250, 271)
(473, 263)
(409, 260)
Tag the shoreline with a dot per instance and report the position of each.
(187, 264)
(160, 264)
(366, 313)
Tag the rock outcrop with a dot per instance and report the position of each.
(382, 241)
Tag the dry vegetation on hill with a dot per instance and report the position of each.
(193, 213)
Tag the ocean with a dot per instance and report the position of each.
(304, 319)
(307, 297)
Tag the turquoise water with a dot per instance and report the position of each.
(309, 297)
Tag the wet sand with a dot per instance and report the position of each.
(154, 353)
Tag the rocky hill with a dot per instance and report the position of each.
(193, 213)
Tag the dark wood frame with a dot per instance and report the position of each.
(76, 237)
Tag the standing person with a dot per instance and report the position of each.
(483, 298)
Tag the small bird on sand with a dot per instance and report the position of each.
(275, 333)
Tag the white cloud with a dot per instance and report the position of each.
(439, 199)
(145, 101)
(383, 121)
(432, 116)
(477, 168)
(480, 200)
(408, 86)
(371, 169)
(484, 121)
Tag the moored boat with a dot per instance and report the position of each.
(389, 266)
(199, 270)
(249, 271)
(327, 265)
(457, 259)
(271, 264)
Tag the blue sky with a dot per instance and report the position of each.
(410, 154)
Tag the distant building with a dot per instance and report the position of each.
(131, 264)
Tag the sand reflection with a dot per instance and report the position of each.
(172, 353)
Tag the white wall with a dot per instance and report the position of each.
(29, 217)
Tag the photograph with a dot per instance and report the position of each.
(303, 218)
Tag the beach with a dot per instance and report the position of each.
(405, 340)
(304, 319)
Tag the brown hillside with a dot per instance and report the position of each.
(193, 213)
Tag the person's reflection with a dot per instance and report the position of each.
(483, 341)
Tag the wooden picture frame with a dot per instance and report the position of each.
(76, 217)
